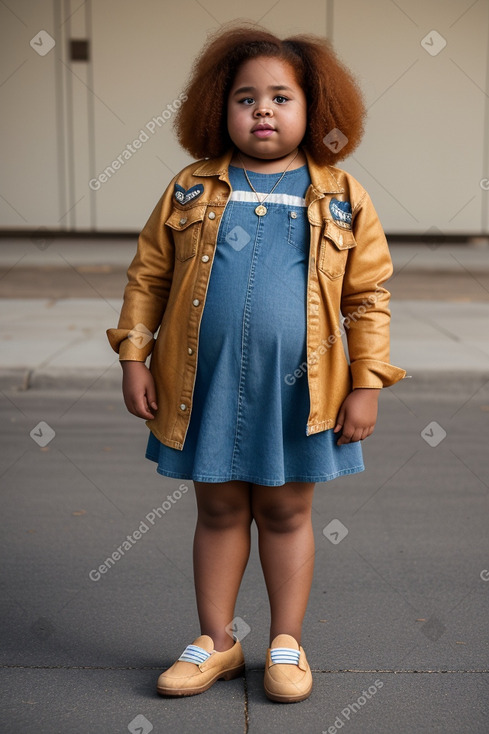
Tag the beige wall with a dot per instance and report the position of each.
(424, 156)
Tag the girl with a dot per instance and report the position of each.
(244, 267)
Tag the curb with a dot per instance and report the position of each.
(82, 378)
(110, 378)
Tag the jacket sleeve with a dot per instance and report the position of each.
(146, 293)
(365, 302)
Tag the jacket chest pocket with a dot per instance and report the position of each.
(186, 226)
(335, 245)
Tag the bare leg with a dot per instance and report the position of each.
(221, 552)
(286, 545)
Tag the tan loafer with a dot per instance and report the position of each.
(288, 677)
(199, 666)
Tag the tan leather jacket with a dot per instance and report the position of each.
(168, 278)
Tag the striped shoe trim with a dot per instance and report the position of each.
(286, 655)
(194, 654)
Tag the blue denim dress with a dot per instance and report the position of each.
(249, 413)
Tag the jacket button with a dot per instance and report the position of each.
(205, 258)
(293, 215)
(183, 406)
(183, 220)
(212, 215)
(190, 350)
(196, 302)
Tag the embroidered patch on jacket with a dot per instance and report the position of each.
(341, 211)
(183, 197)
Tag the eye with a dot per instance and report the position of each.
(280, 99)
(247, 101)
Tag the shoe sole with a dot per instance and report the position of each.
(278, 698)
(229, 674)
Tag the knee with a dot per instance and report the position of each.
(218, 515)
(280, 518)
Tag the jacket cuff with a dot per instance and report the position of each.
(374, 374)
(132, 344)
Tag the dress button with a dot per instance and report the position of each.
(205, 258)
(212, 215)
(190, 350)
(196, 302)
(293, 215)
(183, 220)
(183, 406)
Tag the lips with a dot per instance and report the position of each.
(263, 130)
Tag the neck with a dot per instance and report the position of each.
(268, 165)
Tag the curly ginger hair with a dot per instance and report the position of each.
(334, 100)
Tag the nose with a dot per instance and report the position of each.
(263, 111)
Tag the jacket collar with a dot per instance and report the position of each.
(322, 177)
(215, 166)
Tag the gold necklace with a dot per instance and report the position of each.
(261, 210)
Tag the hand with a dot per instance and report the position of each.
(138, 388)
(357, 415)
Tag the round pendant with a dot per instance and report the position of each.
(261, 210)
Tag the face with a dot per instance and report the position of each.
(267, 109)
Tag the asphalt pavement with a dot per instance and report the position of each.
(396, 628)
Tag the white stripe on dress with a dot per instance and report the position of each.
(249, 196)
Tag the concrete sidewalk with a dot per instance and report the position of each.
(396, 628)
(25, 252)
(61, 341)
